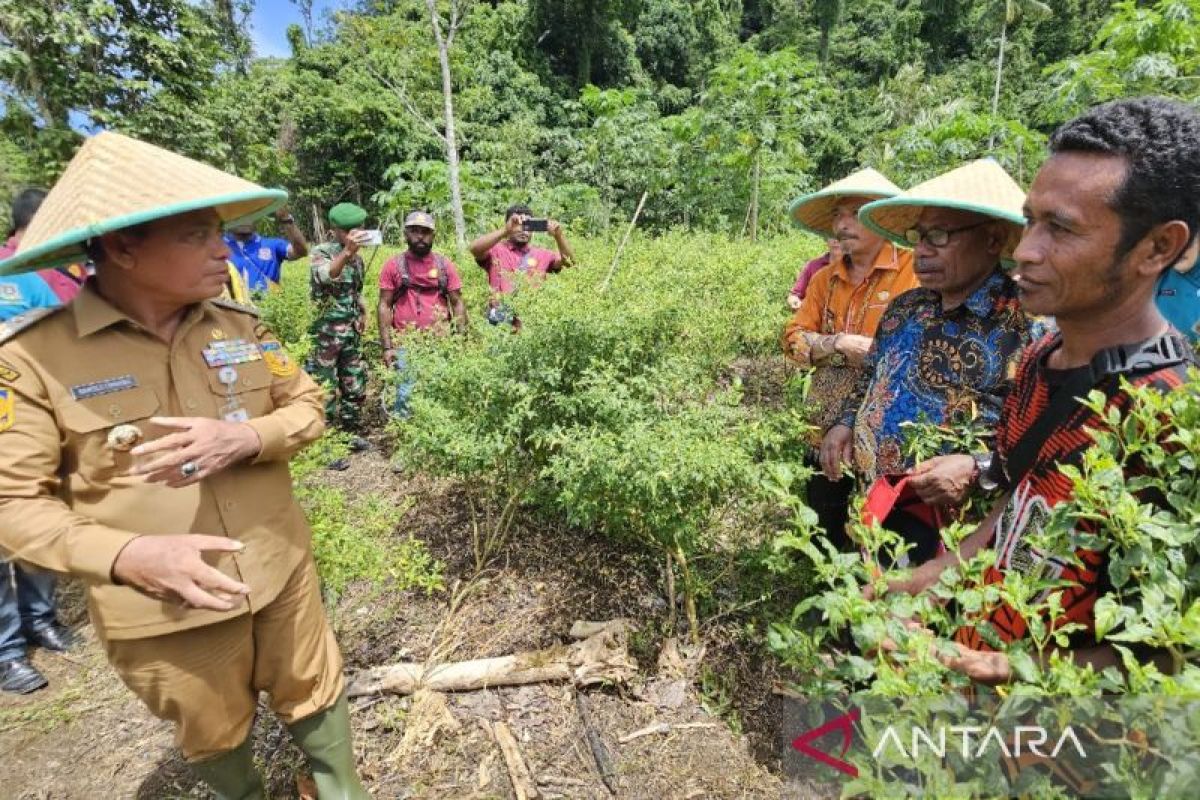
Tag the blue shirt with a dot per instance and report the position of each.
(259, 259)
(941, 367)
(21, 293)
(1178, 299)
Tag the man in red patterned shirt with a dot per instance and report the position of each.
(508, 258)
(1112, 208)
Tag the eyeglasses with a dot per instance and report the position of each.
(937, 237)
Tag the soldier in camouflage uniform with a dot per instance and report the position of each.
(336, 279)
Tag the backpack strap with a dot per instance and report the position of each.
(1165, 350)
(405, 280)
(405, 274)
(443, 278)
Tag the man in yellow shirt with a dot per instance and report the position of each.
(833, 329)
(147, 430)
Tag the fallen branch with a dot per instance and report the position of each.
(663, 727)
(559, 780)
(599, 751)
(603, 657)
(523, 784)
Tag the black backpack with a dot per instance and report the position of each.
(443, 279)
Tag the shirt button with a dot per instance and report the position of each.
(245, 381)
(114, 410)
(228, 505)
(190, 404)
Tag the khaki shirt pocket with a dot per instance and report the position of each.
(87, 424)
(250, 390)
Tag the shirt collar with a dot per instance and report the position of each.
(93, 313)
(1173, 276)
(983, 300)
(888, 258)
(232, 240)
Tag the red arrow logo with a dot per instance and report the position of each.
(843, 723)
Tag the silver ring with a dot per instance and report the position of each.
(188, 469)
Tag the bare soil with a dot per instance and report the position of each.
(86, 736)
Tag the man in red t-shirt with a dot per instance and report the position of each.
(508, 258)
(418, 290)
(1105, 218)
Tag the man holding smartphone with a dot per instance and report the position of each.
(336, 274)
(260, 259)
(506, 252)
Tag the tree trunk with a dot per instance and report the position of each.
(996, 90)
(754, 195)
(456, 204)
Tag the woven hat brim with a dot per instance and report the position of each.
(814, 212)
(68, 247)
(893, 216)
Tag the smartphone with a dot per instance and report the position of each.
(536, 225)
(372, 238)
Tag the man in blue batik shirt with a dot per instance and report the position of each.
(946, 352)
(260, 258)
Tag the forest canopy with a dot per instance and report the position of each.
(720, 110)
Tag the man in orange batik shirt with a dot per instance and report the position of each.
(833, 329)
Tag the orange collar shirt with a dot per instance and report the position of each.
(834, 305)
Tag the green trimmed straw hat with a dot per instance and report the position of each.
(981, 186)
(114, 182)
(814, 212)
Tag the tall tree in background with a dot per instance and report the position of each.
(443, 36)
(1011, 12)
(827, 12)
(586, 39)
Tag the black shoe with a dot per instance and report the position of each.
(55, 636)
(358, 444)
(340, 465)
(20, 677)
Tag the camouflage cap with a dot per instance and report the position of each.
(420, 219)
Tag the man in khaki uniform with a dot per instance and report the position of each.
(146, 431)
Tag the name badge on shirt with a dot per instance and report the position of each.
(265, 254)
(82, 391)
(230, 351)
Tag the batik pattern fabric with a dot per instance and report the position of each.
(936, 366)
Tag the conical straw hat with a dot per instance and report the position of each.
(114, 182)
(980, 186)
(814, 212)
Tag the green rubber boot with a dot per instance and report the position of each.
(325, 740)
(232, 775)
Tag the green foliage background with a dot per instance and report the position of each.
(714, 107)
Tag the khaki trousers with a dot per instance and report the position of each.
(206, 680)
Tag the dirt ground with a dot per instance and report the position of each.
(87, 737)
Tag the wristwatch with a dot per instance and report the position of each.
(837, 358)
(983, 472)
(286, 220)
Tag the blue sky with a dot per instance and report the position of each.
(269, 21)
